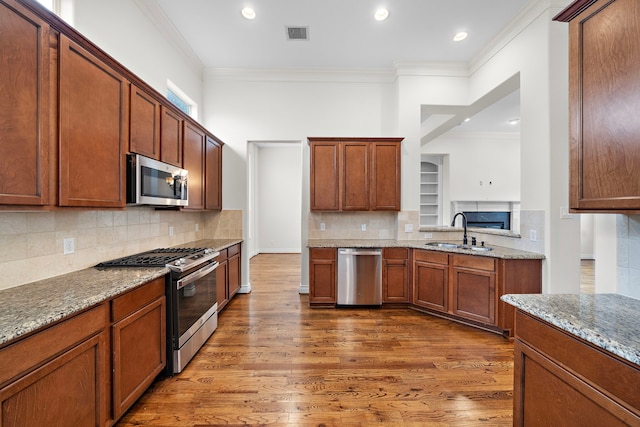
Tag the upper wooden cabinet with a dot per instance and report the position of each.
(144, 124)
(93, 129)
(213, 174)
(193, 161)
(604, 98)
(170, 137)
(355, 174)
(24, 106)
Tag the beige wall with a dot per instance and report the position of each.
(31, 243)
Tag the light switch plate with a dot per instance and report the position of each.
(533, 235)
(363, 227)
(323, 226)
(69, 245)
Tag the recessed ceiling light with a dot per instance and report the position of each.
(514, 121)
(248, 13)
(467, 119)
(381, 14)
(460, 36)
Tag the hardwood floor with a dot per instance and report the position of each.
(587, 276)
(275, 361)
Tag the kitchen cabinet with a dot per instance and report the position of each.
(228, 275)
(213, 174)
(322, 276)
(355, 174)
(560, 379)
(171, 125)
(193, 160)
(604, 97)
(467, 288)
(474, 288)
(431, 280)
(58, 376)
(395, 275)
(139, 342)
(144, 124)
(24, 106)
(93, 129)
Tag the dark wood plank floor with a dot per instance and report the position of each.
(274, 361)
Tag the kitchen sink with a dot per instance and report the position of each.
(481, 248)
(444, 245)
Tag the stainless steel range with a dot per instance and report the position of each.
(191, 297)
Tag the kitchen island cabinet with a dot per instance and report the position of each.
(604, 97)
(576, 360)
(355, 174)
(24, 107)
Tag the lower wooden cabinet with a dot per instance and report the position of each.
(560, 380)
(228, 275)
(58, 377)
(322, 276)
(474, 288)
(395, 275)
(138, 343)
(431, 280)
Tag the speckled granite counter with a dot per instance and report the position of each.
(28, 307)
(608, 321)
(497, 252)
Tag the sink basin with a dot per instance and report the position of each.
(481, 248)
(444, 245)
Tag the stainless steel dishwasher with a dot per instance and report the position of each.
(359, 276)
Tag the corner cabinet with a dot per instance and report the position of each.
(24, 107)
(355, 174)
(604, 98)
(93, 129)
(467, 288)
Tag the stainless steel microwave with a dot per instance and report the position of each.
(150, 182)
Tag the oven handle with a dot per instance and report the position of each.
(196, 275)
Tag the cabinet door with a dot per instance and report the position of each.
(355, 176)
(213, 172)
(395, 275)
(322, 276)
(193, 161)
(139, 353)
(325, 176)
(222, 287)
(431, 285)
(24, 107)
(385, 176)
(234, 270)
(170, 137)
(93, 131)
(474, 295)
(144, 124)
(604, 98)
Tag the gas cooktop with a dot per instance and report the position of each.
(177, 259)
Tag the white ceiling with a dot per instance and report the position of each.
(343, 35)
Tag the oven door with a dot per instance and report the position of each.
(195, 302)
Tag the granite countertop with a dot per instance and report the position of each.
(497, 252)
(608, 321)
(28, 307)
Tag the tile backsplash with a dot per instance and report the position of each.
(32, 243)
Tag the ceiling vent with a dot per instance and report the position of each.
(298, 33)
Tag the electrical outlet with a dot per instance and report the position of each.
(197, 227)
(170, 231)
(363, 227)
(428, 235)
(323, 226)
(564, 213)
(408, 228)
(69, 245)
(533, 235)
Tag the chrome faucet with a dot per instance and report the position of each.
(464, 224)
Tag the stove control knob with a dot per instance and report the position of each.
(181, 261)
(208, 251)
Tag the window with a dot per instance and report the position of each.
(62, 8)
(180, 99)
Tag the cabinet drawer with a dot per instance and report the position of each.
(139, 297)
(395, 253)
(223, 256)
(322, 253)
(476, 262)
(234, 250)
(35, 350)
(431, 256)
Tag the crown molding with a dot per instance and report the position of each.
(300, 75)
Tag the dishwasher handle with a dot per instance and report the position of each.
(359, 252)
